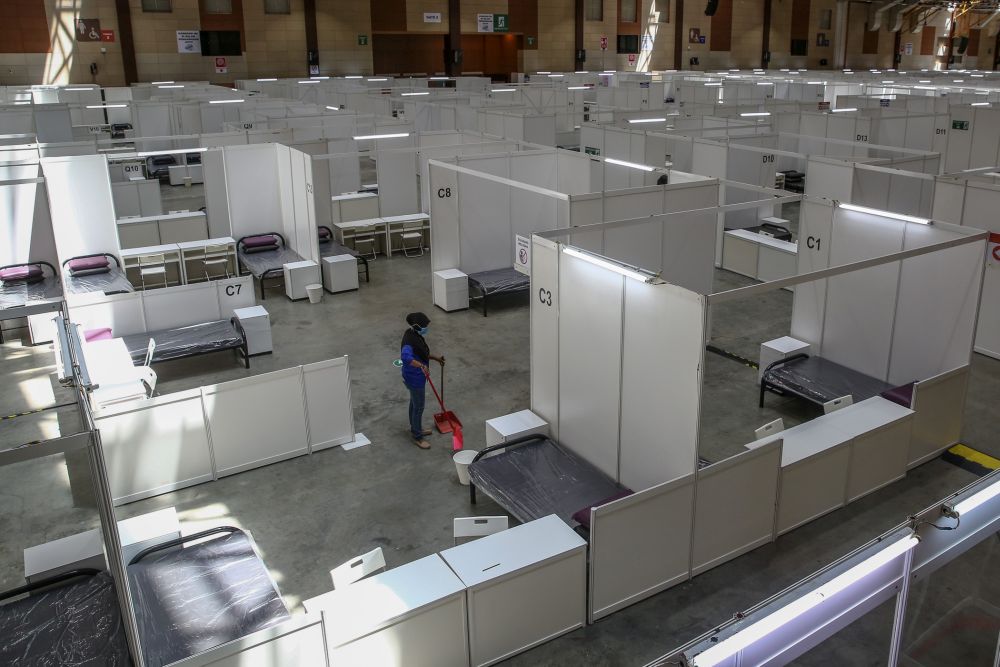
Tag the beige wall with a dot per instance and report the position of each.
(338, 23)
(556, 39)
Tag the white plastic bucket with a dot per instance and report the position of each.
(462, 460)
(315, 292)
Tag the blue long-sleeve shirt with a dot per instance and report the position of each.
(412, 376)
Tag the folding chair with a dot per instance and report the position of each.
(364, 237)
(837, 404)
(358, 568)
(215, 256)
(770, 428)
(473, 527)
(412, 238)
(150, 266)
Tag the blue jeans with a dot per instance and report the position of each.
(416, 412)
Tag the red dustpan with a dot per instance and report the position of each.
(446, 420)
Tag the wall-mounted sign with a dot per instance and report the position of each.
(993, 249)
(522, 254)
(908, 48)
(362, 40)
(188, 41)
(107, 35)
(221, 66)
(694, 35)
(960, 125)
(432, 17)
(501, 22)
(631, 59)
(592, 151)
(823, 106)
(88, 30)
(604, 42)
(492, 22)
(531, 41)
(883, 103)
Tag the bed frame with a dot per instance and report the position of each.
(118, 268)
(241, 348)
(478, 291)
(274, 273)
(874, 386)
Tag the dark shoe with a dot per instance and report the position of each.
(422, 444)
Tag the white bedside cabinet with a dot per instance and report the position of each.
(340, 273)
(298, 275)
(256, 325)
(147, 530)
(779, 348)
(515, 425)
(80, 551)
(526, 586)
(451, 290)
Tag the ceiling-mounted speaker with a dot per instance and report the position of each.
(712, 6)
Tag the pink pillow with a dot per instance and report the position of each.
(24, 273)
(90, 335)
(262, 240)
(87, 263)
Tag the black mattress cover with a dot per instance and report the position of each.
(259, 263)
(500, 280)
(190, 599)
(76, 623)
(332, 248)
(14, 294)
(112, 282)
(184, 341)
(820, 380)
(541, 478)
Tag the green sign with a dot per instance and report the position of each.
(362, 40)
(960, 125)
(591, 151)
(531, 41)
(501, 22)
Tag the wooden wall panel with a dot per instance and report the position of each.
(720, 34)
(232, 21)
(927, 38)
(26, 29)
(800, 19)
(397, 54)
(388, 15)
(973, 48)
(524, 20)
(869, 45)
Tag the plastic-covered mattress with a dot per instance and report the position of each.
(269, 261)
(112, 282)
(186, 341)
(499, 281)
(332, 248)
(74, 623)
(539, 478)
(14, 294)
(190, 599)
(819, 380)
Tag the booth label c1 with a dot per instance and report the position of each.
(444, 193)
(813, 243)
(545, 296)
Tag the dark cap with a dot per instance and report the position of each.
(417, 319)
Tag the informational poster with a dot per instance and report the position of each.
(88, 30)
(484, 22)
(993, 249)
(107, 35)
(604, 42)
(522, 254)
(908, 48)
(432, 17)
(221, 65)
(188, 41)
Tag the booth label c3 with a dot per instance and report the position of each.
(545, 296)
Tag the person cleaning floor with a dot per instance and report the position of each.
(415, 354)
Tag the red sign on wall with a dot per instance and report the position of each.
(107, 35)
(604, 42)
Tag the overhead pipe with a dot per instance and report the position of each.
(877, 21)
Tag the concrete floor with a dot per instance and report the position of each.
(313, 513)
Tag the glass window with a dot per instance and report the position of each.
(277, 7)
(627, 11)
(156, 5)
(595, 10)
(218, 6)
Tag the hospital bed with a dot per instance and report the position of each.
(264, 257)
(69, 618)
(533, 476)
(190, 341)
(100, 272)
(484, 284)
(192, 594)
(818, 380)
(328, 248)
(28, 283)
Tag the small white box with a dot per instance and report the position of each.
(298, 275)
(147, 530)
(451, 290)
(256, 325)
(779, 348)
(83, 550)
(508, 427)
(340, 273)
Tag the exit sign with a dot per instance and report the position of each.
(362, 40)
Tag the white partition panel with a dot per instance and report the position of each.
(939, 403)
(828, 178)
(590, 340)
(735, 504)
(809, 300)
(83, 213)
(860, 306)
(484, 212)
(155, 446)
(181, 305)
(96, 310)
(544, 305)
(254, 196)
(27, 227)
(397, 181)
(640, 545)
(327, 387)
(926, 341)
(444, 206)
(213, 168)
(298, 642)
(661, 376)
(257, 420)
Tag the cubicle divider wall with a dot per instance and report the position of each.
(28, 225)
(882, 188)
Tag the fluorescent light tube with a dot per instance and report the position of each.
(266, 79)
(647, 120)
(556, 76)
(730, 646)
(925, 87)
(503, 90)
(843, 110)
(224, 101)
(750, 114)
(713, 84)
(159, 83)
(765, 83)
(178, 151)
(578, 88)
(122, 106)
(606, 264)
(605, 74)
(975, 104)
(439, 78)
(958, 80)
(977, 499)
(79, 89)
(378, 79)
(885, 214)
(323, 78)
(543, 72)
(816, 83)
(177, 86)
(398, 135)
(309, 81)
(412, 94)
(633, 165)
(353, 76)
(581, 72)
